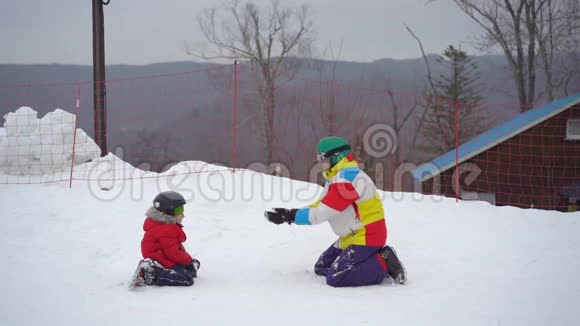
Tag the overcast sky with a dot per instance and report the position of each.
(147, 31)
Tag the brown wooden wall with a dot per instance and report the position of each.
(526, 170)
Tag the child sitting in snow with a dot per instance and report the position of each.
(166, 262)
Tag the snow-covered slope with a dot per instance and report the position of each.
(67, 255)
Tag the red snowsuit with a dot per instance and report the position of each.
(163, 242)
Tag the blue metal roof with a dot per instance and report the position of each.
(494, 136)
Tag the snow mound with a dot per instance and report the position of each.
(32, 146)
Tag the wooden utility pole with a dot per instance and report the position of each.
(99, 85)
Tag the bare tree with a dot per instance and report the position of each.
(397, 111)
(431, 97)
(574, 59)
(338, 105)
(399, 124)
(267, 39)
(327, 97)
(522, 28)
(152, 148)
(558, 34)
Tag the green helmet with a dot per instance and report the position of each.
(334, 147)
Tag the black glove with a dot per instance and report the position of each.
(281, 215)
(193, 266)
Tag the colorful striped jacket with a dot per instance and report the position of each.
(350, 204)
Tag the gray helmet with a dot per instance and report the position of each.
(167, 201)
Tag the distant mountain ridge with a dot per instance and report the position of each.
(191, 102)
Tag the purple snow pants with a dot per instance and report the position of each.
(178, 275)
(353, 266)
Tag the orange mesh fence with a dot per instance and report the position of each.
(227, 116)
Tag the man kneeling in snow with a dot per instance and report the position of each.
(354, 210)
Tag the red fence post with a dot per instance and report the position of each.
(456, 151)
(72, 161)
(235, 127)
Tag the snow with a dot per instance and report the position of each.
(33, 147)
(68, 254)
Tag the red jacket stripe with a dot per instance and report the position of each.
(376, 233)
(340, 195)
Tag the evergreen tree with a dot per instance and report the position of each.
(455, 89)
